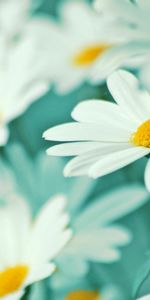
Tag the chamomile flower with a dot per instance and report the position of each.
(106, 136)
(79, 42)
(95, 236)
(129, 16)
(23, 74)
(28, 245)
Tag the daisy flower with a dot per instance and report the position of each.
(95, 236)
(93, 220)
(129, 16)
(23, 73)
(107, 136)
(28, 245)
(79, 42)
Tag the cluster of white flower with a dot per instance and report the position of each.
(106, 41)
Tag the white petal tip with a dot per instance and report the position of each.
(50, 152)
(69, 233)
(52, 268)
(44, 135)
(66, 172)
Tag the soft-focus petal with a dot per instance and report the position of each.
(115, 161)
(39, 272)
(48, 233)
(116, 57)
(99, 245)
(112, 206)
(4, 135)
(125, 89)
(147, 175)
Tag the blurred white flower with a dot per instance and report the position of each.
(95, 236)
(109, 136)
(28, 245)
(79, 42)
(131, 17)
(13, 16)
(23, 72)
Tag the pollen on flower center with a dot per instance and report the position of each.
(89, 55)
(83, 295)
(11, 279)
(142, 136)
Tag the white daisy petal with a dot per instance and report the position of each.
(4, 135)
(116, 57)
(69, 82)
(99, 245)
(14, 296)
(112, 207)
(147, 297)
(102, 112)
(81, 164)
(124, 87)
(86, 132)
(49, 225)
(75, 14)
(72, 149)
(15, 218)
(147, 175)
(79, 148)
(39, 272)
(115, 161)
(115, 7)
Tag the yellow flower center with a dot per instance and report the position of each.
(88, 55)
(83, 295)
(11, 279)
(142, 136)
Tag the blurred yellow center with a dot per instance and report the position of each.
(11, 279)
(88, 55)
(142, 136)
(83, 295)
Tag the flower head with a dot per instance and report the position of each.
(132, 19)
(23, 58)
(106, 136)
(95, 236)
(29, 245)
(76, 49)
